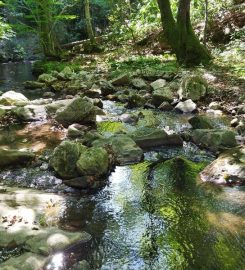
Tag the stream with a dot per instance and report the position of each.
(135, 223)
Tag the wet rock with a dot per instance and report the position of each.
(50, 240)
(93, 161)
(27, 261)
(152, 137)
(165, 106)
(139, 83)
(214, 139)
(228, 168)
(123, 79)
(33, 85)
(82, 182)
(187, 106)
(14, 157)
(201, 122)
(147, 118)
(13, 98)
(177, 173)
(135, 100)
(47, 79)
(65, 157)
(76, 130)
(162, 94)
(123, 147)
(193, 87)
(80, 111)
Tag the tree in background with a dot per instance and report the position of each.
(88, 19)
(180, 34)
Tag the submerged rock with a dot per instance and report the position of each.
(201, 122)
(80, 110)
(193, 87)
(214, 139)
(124, 149)
(13, 98)
(65, 157)
(187, 106)
(177, 172)
(153, 137)
(14, 157)
(228, 168)
(27, 261)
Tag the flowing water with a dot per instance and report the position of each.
(136, 221)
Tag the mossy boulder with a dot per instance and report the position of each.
(193, 87)
(14, 157)
(146, 137)
(228, 168)
(135, 100)
(93, 161)
(124, 149)
(201, 122)
(177, 172)
(80, 110)
(65, 157)
(33, 85)
(47, 79)
(214, 139)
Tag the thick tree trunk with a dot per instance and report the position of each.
(89, 21)
(180, 34)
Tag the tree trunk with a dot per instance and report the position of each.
(47, 36)
(88, 19)
(205, 23)
(180, 34)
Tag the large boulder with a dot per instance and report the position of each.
(123, 147)
(193, 87)
(187, 106)
(214, 139)
(53, 107)
(153, 137)
(201, 122)
(65, 157)
(139, 83)
(23, 114)
(14, 157)
(66, 74)
(13, 98)
(80, 110)
(228, 168)
(93, 161)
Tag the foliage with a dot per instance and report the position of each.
(49, 66)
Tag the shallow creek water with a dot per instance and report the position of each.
(136, 222)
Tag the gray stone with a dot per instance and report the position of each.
(187, 106)
(76, 130)
(13, 98)
(139, 83)
(228, 168)
(123, 79)
(165, 106)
